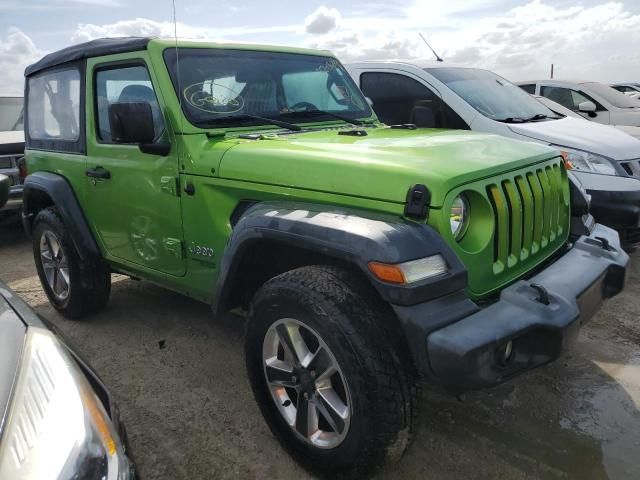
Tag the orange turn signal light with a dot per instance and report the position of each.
(567, 163)
(387, 273)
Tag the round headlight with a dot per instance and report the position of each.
(459, 217)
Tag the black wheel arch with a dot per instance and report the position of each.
(270, 238)
(46, 189)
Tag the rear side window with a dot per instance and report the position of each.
(130, 84)
(530, 88)
(54, 106)
(399, 99)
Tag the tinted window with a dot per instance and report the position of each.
(54, 106)
(491, 95)
(530, 88)
(226, 87)
(568, 98)
(399, 99)
(124, 85)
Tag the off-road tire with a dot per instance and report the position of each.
(352, 320)
(90, 282)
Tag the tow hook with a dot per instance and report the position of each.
(543, 294)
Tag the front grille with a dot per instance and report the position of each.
(531, 215)
(632, 167)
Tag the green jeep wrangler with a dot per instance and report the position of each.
(366, 256)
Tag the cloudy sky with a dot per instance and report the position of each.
(517, 38)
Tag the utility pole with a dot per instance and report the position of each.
(552, 71)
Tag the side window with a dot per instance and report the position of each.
(529, 88)
(568, 98)
(54, 106)
(398, 99)
(124, 85)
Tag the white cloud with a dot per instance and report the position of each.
(595, 42)
(150, 28)
(16, 52)
(323, 20)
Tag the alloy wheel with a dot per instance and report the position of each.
(306, 383)
(55, 265)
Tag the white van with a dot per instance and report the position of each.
(444, 96)
(593, 100)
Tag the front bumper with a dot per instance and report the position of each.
(463, 346)
(14, 201)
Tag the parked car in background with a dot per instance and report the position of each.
(562, 110)
(12, 149)
(258, 177)
(627, 88)
(57, 419)
(593, 100)
(444, 96)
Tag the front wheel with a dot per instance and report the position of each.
(327, 379)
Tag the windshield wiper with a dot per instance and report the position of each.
(537, 116)
(271, 121)
(329, 114)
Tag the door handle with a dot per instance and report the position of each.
(98, 172)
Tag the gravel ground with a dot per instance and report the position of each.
(190, 413)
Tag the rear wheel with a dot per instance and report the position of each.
(74, 288)
(325, 375)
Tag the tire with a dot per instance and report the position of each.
(374, 385)
(74, 288)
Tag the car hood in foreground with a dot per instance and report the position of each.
(381, 165)
(582, 135)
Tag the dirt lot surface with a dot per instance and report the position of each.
(190, 414)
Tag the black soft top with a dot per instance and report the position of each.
(94, 48)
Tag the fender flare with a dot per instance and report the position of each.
(354, 236)
(58, 189)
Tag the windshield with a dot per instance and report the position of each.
(11, 114)
(491, 95)
(611, 95)
(226, 87)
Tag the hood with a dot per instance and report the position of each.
(382, 165)
(582, 135)
(633, 131)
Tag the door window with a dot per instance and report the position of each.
(124, 85)
(568, 98)
(399, 99)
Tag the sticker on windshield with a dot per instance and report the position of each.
(212, 97)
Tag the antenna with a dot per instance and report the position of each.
(438, 59)
(179, 89)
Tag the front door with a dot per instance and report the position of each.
(135, 207)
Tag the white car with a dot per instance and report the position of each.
(557, 108)
(631, 89)
(444, 96)
(593, 100)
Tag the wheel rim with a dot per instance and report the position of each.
(55, 265)
(306, 383)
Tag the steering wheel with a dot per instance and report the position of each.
(303, 106)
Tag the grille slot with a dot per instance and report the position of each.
(529, 214)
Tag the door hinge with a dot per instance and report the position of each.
(170, 185)
(175, 247)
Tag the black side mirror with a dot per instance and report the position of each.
(131, 122)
